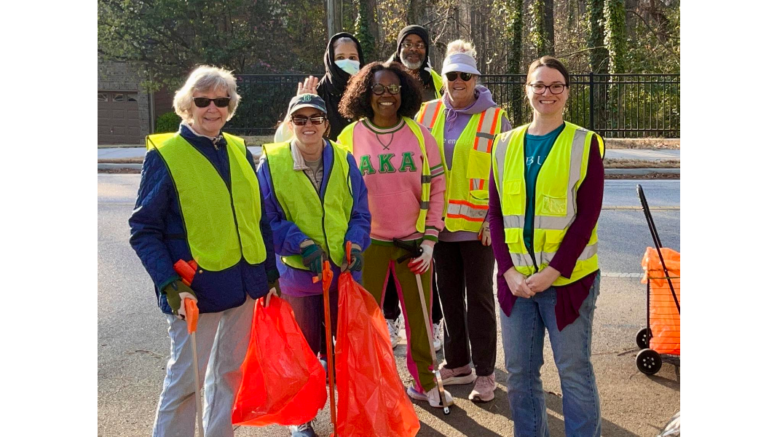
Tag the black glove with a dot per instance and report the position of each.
(313, 257)
(173, 291)
(357, 260)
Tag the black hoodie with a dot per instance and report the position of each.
(332, 86)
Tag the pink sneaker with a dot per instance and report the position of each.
(484, 389)
(458, 376)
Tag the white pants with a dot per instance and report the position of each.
(222, 341)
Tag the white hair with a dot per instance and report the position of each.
(205, 78)
(460, 46)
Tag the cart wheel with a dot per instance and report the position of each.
(643, 338)
(648, 361)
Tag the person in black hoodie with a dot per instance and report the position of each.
(413, 53)
(342, 59)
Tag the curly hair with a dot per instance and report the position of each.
(355, 103)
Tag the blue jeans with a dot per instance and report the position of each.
(523, 337)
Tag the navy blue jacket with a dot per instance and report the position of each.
(158, 236)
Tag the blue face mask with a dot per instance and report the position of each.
(349, 66)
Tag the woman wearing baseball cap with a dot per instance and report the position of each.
(464, 122)
(316, 201)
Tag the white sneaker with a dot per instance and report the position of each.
(400, 325)
(437, 335)
(432, 396)
(392, 333)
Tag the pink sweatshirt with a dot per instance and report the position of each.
(391, 162)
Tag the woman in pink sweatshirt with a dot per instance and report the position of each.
(405, 180)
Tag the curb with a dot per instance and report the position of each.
(607, 171)
(137, 167)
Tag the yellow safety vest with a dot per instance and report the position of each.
(555, 203)
(323, 218)
(466, 196)
(221, 222)
(437, 82)
(346, 139)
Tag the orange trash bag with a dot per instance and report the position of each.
(664, 316)
(283, 382)
(371, 398)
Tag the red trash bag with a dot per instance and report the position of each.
(283, 382)
(664, 316)
(371, 398)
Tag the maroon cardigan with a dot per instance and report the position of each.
(589, 204)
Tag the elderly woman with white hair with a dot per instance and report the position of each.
(464, 122)
(199, 204)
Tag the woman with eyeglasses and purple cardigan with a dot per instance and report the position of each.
(316, 201)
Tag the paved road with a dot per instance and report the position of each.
(133, 345)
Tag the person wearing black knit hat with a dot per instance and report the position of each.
(413, 53)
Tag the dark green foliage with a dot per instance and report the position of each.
(363, 33)
(597, 50)
(167, 122)
(615, 35)
(539, 34)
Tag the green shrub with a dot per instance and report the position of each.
(167, 122)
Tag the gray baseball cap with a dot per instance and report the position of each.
(305, 101)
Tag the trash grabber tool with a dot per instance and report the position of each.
(414, 252)
(192, 316)
(327, 275)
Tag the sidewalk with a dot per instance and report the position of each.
(637, 154)
(106, 155)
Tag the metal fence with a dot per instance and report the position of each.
(614, 105)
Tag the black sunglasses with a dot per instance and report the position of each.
(379, 89)
(454, 74)
(302, 121)
(204, 102)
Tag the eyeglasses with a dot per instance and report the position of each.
(418, 46)
(379, 89)
(314, 120)
(556, 88)
(204, 102)
(453, 75)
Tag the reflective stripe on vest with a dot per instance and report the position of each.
(221, 223)
(346, 140)
(466, 196)
(323, 221)
(556, 198)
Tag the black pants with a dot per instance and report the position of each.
(466, 278)
(391, 301)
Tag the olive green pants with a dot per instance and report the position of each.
(380, 266)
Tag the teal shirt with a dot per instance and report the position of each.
(536, 149)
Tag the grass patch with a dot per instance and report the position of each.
(642, 143)
(636, 163)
